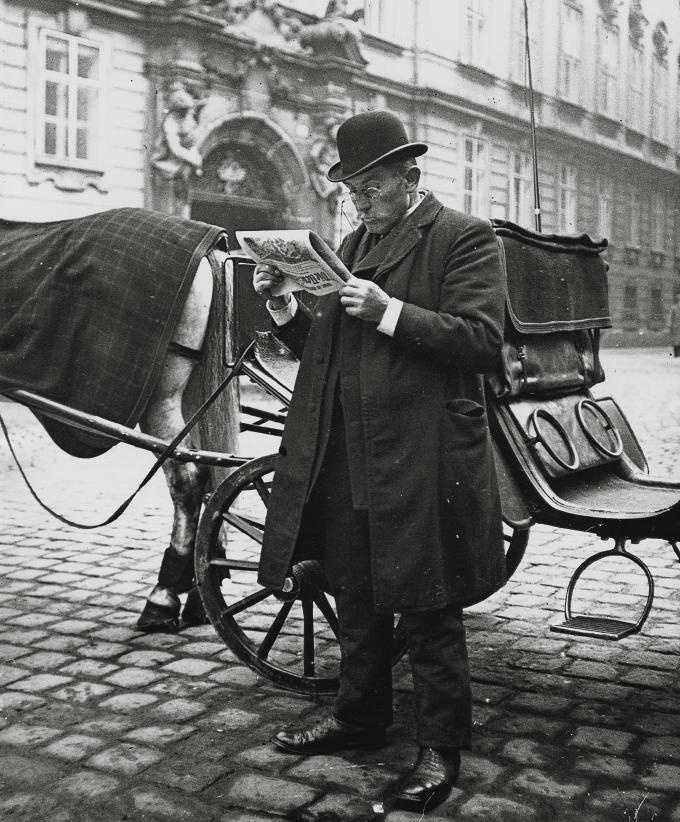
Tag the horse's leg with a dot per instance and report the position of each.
(186, 481)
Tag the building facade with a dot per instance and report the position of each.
(225, 111)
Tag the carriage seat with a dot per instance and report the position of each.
(579, 459)
(570, 459)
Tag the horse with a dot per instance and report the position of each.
(40, 262)
(163, 417)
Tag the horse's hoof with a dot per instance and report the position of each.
(158, 618)
(193, 612)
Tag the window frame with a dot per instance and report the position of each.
(635, 86)
(520, 205)
(630, 307)
(96, 126)
(658, 221)
(656, 316)
(518, 68)
(605, 205)
(474, 42)
(567, 213)
(607, 75)
(478, 193)
(571, 85)
(377, 15)
(658, 99)
(634, 215)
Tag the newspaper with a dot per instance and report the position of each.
(304, 259)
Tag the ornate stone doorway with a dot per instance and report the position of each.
(252, 178)
(237, 192)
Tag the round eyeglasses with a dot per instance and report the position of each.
(370, 193)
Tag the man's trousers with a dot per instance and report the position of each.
(436, 639)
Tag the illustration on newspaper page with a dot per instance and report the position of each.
(302, 256)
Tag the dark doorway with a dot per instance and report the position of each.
(234, 216)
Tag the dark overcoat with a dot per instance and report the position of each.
(433, 501)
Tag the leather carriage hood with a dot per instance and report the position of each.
(554, 282)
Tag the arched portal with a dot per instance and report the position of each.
(253, 177)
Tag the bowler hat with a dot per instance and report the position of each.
(368, 140)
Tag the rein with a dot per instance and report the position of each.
(196, 416)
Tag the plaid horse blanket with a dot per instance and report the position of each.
(88, 307)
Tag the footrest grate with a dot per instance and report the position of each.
(597, 627)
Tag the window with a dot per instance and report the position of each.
(474, 42)
(659, 99)
(658, 238)
(608, 71)
(518, 67)
(570, 52)
(677, 118)
(566, 198)
(635, 87)
(634, 213)
(520, 200)
(629, 317)
(383, 19)
(68, 127)
(474, 176)
(656, 310)
(605, 197)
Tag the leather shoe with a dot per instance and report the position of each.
(328, 735)
(430, 781)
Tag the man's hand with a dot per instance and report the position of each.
(364, 299)
(266, 277)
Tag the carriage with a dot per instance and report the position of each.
(564, 458)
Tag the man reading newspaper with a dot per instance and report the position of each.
(386, 459)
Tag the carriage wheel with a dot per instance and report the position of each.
(290, 639)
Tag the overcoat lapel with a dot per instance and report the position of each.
(403, 238)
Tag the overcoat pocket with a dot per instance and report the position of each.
(464, 425)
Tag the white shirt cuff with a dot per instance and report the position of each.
(390, 318)
(284, 315)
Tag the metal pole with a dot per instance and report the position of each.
(537, 196)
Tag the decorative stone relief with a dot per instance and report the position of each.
(336, 34)
(175, 156)
(322, 155)
(609, 10)
(262, 59)
(636, 21)
(235, 13)
(239, 171)
(660, 40)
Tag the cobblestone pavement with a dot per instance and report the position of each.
(98, 722)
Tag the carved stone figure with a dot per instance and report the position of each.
(636, 21)
(609, 9)
(322, 155)
(660, 40)
(336, 34)
(175, 155)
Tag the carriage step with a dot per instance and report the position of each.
(596, 627)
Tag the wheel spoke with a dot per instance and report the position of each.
(245, 526)
(262, 489)
(257, 523)
(326, 609)
(309, 665)
(274, 630)
(234, 564)
(246, 602)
